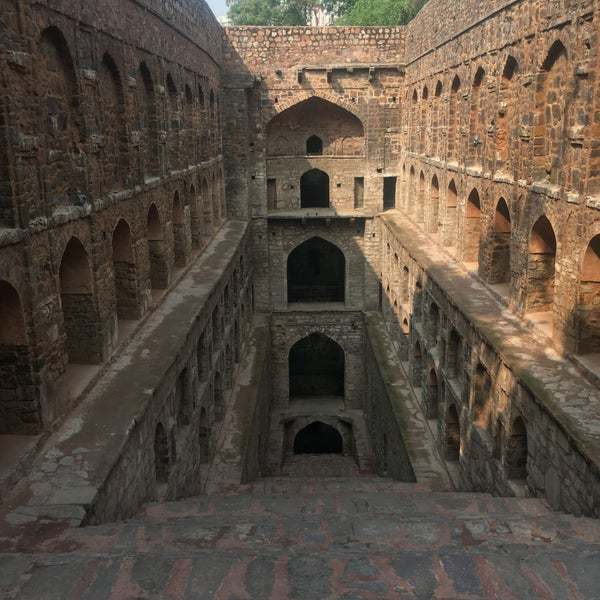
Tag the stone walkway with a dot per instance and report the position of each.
(316, 539)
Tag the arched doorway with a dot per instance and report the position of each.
(541, 267)
(318, 438)
(314, 189)
(316, 368)
(316, 272)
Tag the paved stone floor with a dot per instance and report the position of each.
(315, 539)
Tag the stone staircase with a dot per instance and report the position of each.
(359, 537)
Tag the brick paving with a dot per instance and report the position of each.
(307, 538)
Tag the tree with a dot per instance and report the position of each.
(270, 12)
(381, 12)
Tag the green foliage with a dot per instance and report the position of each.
(380, 12)
(349, 12)
(270, 12)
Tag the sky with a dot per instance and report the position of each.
(218, 7)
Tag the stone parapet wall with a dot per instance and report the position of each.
(261, 49)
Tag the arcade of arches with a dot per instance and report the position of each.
(247, 248)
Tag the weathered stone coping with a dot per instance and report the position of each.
(77, 460)
(553, 380)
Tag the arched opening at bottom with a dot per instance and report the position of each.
(318, 438)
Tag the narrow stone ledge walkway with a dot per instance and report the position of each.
(75, 462)
(317, 539)
(565, 393)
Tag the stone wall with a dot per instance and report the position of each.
(468, 359)
(107, 116)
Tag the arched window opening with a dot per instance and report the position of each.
(174, 123)
(316, 272)
(551, 92)
(500, 245)
(207, 209)
(162, 461)
(433, 398)
(482, 397)
(472, 232)
(125, 273)
(314, 145)
(434, 205)
(159, 265)
(589, 299)
(418, 299)
(405, 283)
(405, 327)
(318, 438)
(83, 343)
(452, 435)
(541, 267)
(505, 121)
(515, 453)
(204, 437)
(454, 121)
(316, 368)
(314, 189)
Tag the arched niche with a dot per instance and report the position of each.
(316, 272)
(340, 130)
(318, 438)
(316, 368)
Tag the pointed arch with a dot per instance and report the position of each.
(316, 368)
(472, 228)
(149, 120)
(499, 244)
(453, 121)
(125, 273)
(83, 342)
(541, 267)
(507, 116)
(112, 112)
(434, 205)
(453, 437)
(516, 451)
(316, 272)
(551, 88)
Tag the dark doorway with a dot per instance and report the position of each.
(389, 193)
(316, 272)
(318, 438)
(314, 189)
(316, 365)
